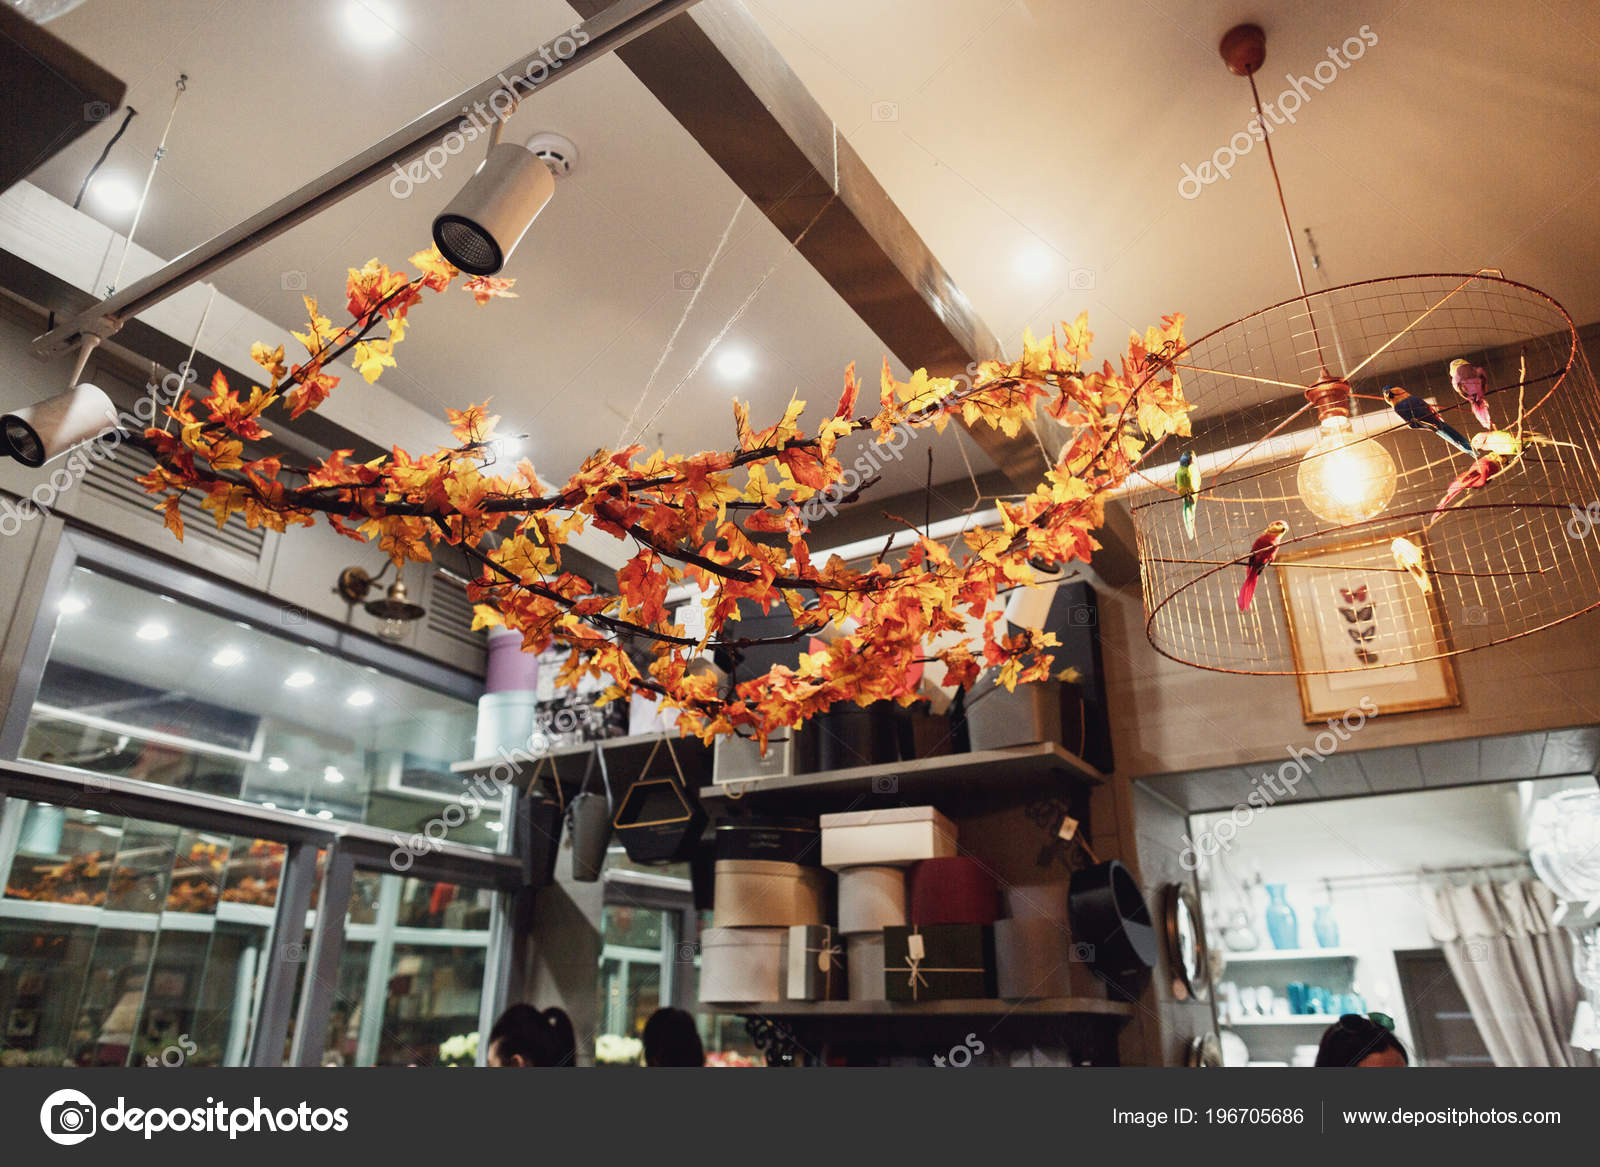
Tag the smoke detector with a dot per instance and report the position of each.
(558, 152)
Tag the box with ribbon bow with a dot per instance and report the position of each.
(938, 962)
(816, 964)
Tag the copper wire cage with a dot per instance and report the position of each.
(1518, 555)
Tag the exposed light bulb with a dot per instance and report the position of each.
(1345, 478)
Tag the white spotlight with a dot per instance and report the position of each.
(35, 435)
(479, 228)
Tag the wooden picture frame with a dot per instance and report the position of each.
(1348, 607)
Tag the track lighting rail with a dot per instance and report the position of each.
(604, 33)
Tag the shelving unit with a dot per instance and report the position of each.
(1317, 1020)
(959, 779)
(1287, 955)
(1053, 1007)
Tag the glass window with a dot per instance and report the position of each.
(144, 686)
(126, 942)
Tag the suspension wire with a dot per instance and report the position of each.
(149, 178)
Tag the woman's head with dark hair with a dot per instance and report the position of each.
(671, 1039)
(525, 1036)
(1354, 1040)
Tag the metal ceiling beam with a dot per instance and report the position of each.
(604, 31)
(715, 71)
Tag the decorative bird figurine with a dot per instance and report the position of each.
(1408, 557)
(1474, 477)
(1471, 384)
(1508, 446)
(1262, 552)
(1419, 415)
(1187, 481)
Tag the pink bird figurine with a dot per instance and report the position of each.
(1474, 477)
(1471, 384)
(1262, 552)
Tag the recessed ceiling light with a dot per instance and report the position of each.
(1035, 263)
(734, 364)
(228, 657)
(332, 774)
(359, 698)
(114, 195)
(370, 24)
(298, 679)
(71, 605)
(324, 814)
(154, 630)
(277, 765)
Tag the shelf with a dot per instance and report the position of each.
(979, 774)
(1277, 955)
(1320, 1020)
(1053, 1007)
(611, 745)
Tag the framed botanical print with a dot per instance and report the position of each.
(1363, 629)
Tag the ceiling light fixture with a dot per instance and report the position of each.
(332, 774)
(734, 364)
(115, 195)
(324, 814)
(480, 228)
(228, 657)
(153, 630)
(360, 698)
(37, 433)
(71, 605)
(298, 680)
(1035, 263)
(277, 765)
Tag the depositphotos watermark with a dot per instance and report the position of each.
(68, 1117)
(1583, 522)
(487, 788)
(1269, 788)
(1273, 114)
(482, 116)
(80, 460)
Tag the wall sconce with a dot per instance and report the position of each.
(394, 613)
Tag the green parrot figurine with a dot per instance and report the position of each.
(1187, 482)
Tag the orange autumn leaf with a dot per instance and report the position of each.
(486, 288)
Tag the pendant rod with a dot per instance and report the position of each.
(1288, 226)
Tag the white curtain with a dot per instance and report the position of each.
(1514, 967)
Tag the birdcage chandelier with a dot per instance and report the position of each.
(1404, 469)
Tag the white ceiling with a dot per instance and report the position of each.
(279, 93)
(1026, 141)
(1051, 135)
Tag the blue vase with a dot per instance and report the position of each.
(1282, 924)
(1325, 926)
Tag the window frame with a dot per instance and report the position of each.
(350, 846)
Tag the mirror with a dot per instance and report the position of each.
(1186, 944)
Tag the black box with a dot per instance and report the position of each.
(957, 963)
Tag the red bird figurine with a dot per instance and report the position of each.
(1262, 552)
(1472, 478)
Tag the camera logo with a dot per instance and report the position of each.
(885, 784)
(68, 1117)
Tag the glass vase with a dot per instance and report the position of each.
(1282, 924)
(1325, 927)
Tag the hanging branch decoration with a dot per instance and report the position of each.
(726, 523)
